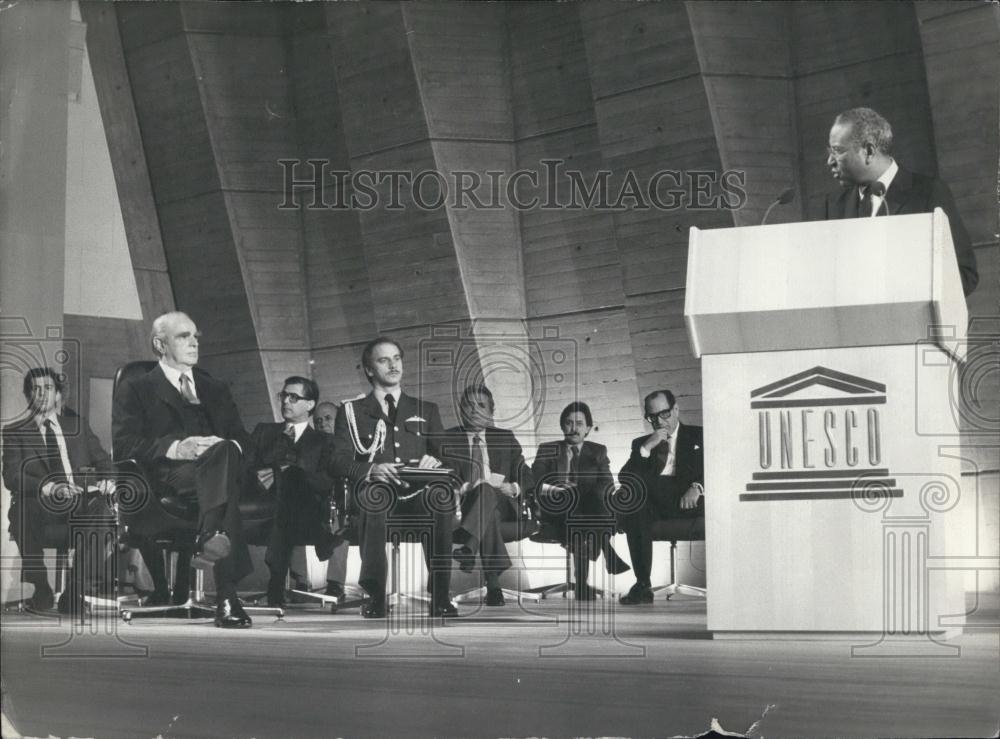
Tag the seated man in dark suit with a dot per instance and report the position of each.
(493, 474)
(667, 471)
(292, 460)
(859, 156)
(324, 418)
(579, 468)
(374, 438)
(45, 456)
(183, 427)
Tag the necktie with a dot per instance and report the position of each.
(390, 402)
(666, 458)
(187, 390)
(52, 448)
(574, 464)
(478, 462)
(865, 210)
(290, 456)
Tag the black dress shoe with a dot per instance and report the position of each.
(465, 558)
(210, 548)
(638, 594)
(613, 563)
(334, 588)
(374, 609)
(157, 598)
(494, 597)
(67, 604)
(276, 592)
(276, 600)
(444, 610)
(41, 601)
(229, 614)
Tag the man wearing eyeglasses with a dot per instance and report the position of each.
(859, 157)
(667, 471)
(292, 461)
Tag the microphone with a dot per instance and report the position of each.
(877, 190)
(787, 195)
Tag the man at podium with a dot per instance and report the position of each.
(859, 156)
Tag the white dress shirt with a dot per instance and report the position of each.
(471, 436)
(299, 428)
(380, 396)
(886, 179)
(670, 468)
(174, 377)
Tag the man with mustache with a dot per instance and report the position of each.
(374, 438)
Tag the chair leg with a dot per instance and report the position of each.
(520, 595)
(194, 607)
(471, 596)
(675, 588)
(559, 588)
(396, 596)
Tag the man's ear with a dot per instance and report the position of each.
(311, 407)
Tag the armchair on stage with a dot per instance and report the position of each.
(169, 523)
(829, 356)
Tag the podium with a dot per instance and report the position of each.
(830, 353)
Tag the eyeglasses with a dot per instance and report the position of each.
(662, 415)
(835, 151)
(294, 397)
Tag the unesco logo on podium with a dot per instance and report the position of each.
(815, 444)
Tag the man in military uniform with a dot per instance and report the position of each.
(374, 438)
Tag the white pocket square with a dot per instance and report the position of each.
(696, 447)
(415, 419)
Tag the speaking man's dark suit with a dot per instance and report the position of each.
(593, 484)
(416, 432)
(483, 506)
(302, 489)
(150, 414)
(661, 494)
(909, 193)
(27, 466)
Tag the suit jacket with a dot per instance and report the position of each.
(26, 464)
(146, 417)
(911, 193)
(689, 461)
(506, 458)
(594, 472)
(313, 455)
(502, 447)
(417, 432)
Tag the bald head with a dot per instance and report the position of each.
(324, 416)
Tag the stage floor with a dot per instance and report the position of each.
(547, 669)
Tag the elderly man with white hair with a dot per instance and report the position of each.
(183, 426)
